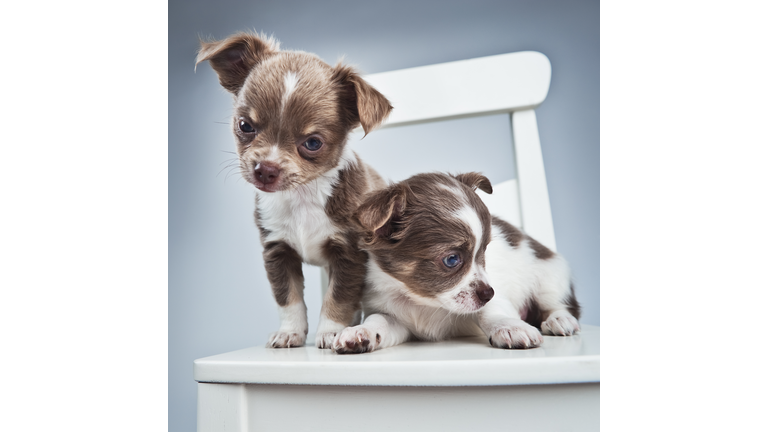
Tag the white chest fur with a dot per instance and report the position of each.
(298, 216)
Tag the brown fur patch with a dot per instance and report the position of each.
(349, 192)
(536, 315)
(573, 306)
(512, 235)
(541, 251)
(283, 265)
(346, 279)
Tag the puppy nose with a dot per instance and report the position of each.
(266, 173)
(484, 293)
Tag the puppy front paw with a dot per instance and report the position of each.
(355, 340)
(515, 336)
(281, 339)
(560, 323)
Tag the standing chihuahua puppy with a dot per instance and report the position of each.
(292, 115)
(442, 266)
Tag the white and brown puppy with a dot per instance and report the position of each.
(442, 266)
(292, 115)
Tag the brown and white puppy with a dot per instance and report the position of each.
(292, 115)
(442, 266)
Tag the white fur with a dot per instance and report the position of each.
(273, 156)
(289, 81)
(293, 326)
(517, 275)
(298, 217)
(327, 330)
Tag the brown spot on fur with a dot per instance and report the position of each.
(573, 306)
(378, 338)
(536, 315)
(512, 235)
(541, 251)
(283, 265)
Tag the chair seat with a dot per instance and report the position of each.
(467, 361)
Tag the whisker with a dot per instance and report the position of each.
(228, 166)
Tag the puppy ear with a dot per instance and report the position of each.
(234, 57)
(475, 180)
(381, 212)
(364, 103)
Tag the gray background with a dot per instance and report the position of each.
(219, 299)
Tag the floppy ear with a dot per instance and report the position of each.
(234, 57)
(365, 104)
(475, 181)
(380, 212)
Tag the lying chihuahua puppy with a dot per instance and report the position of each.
(292, 115)
(442, 266)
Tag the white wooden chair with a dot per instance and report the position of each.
(456, 385)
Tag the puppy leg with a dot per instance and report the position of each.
(283, 265)
(501, 322)
(377, 332)
(342, 302)
(559, 309)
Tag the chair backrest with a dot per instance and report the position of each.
(513, 83)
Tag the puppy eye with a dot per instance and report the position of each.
(452, 260)
(313, 144)
(245, 127)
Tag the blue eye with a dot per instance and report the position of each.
(452, 260)
(313, 144)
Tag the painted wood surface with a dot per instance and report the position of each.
(459, 362)
(479, 86)
(267, 408)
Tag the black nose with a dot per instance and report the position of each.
(484, 293)
(266, 173)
